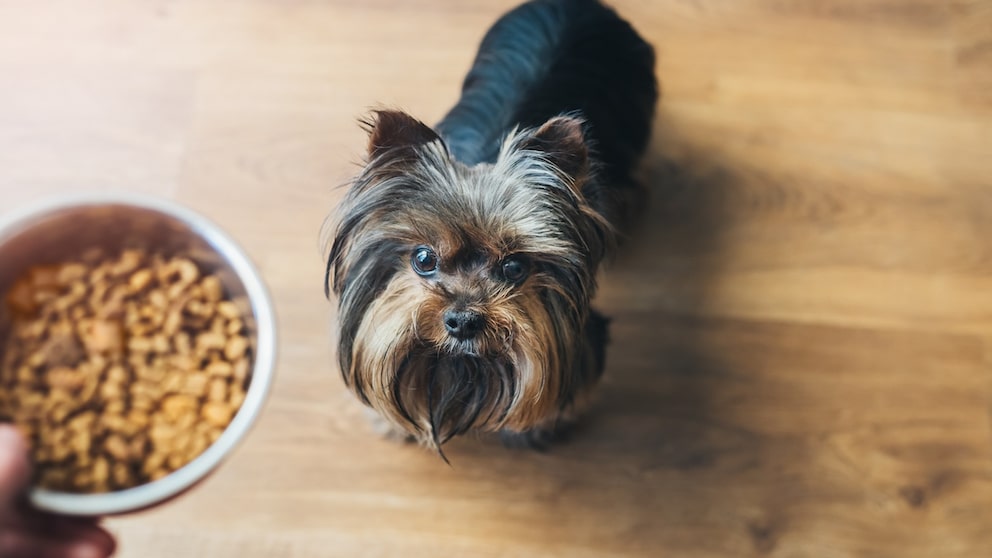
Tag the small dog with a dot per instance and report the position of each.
(464, 257)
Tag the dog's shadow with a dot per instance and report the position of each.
(656, 452)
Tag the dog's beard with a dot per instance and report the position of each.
(435, 387)
(521, 369)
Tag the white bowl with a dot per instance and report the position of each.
(51, 231)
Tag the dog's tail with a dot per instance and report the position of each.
(549, 57)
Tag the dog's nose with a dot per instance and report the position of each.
(463, 324)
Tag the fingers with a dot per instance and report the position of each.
(15, 471)
(28, 533)
(31, 533)
(25, 545)
(83, 531)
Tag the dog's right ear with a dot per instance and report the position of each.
(393, 129)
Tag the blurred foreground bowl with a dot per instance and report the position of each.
(58, 230)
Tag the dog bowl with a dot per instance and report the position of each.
(56, 230)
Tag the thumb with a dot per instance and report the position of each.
(15, 471)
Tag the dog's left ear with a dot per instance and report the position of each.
(393, 129)
(562, 141)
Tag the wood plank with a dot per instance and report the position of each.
(801, 362)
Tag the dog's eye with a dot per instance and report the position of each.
(424, 261)
(514, 269)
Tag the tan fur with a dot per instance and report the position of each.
(529, 362)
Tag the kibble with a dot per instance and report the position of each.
(120, 369)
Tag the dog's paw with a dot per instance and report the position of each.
(536, 439)
(388, 430)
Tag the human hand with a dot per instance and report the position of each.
(28, 533)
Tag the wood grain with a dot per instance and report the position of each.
(801, 362)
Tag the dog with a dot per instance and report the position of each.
(464, 257)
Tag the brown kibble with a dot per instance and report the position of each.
(117, 374)
(173, 320)
(237, 398)
(128, 262)
(176, 290)
(59, 452)
(240, 372)
(228, 310)
(114, 305)
(161, 435)
(219, 368)
(80, 442)
(102, 336)
(136, 422)
(218, 390)
(68, 274)
(139, 344)
(65, 378)
(154, 374)
(154, 462)
(196, 384)
(176, 405)
(159, 301)
(32, 331)
(82, 480)
(235, 348)
(36, 358)
(20, 297)
(182, 344)
(212, 289)
(188, 272)
(176, 461)
(96, 364)
(173, 383)
(138, 445)
(26, 376)
(60, 412)
(140, 279)
(121, 474)
(160, 344)
(117, 447)
(81, 422)
(234, 327)
(187, 420)
(198, 445)
(110, 391)
(44, 296)
(197, 308)
(217, 414)
(113, 422)
(69, 299)
(55, 478)
(142, 402)
(120, 369)
(101, 470)
(210, 341)
(61, 348)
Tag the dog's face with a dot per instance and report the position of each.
(463, 291)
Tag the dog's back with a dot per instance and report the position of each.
(549, 57)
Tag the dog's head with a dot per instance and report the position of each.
(463, 291)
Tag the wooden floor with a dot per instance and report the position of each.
(802, 355)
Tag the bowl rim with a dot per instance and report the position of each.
(263, 369)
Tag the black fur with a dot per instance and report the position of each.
(543, 59)
(551, 57)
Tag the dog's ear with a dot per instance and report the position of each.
(563, 143)
(393, 129)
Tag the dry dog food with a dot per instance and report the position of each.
(120, 369)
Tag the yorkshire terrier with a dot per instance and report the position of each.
(464, 257)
